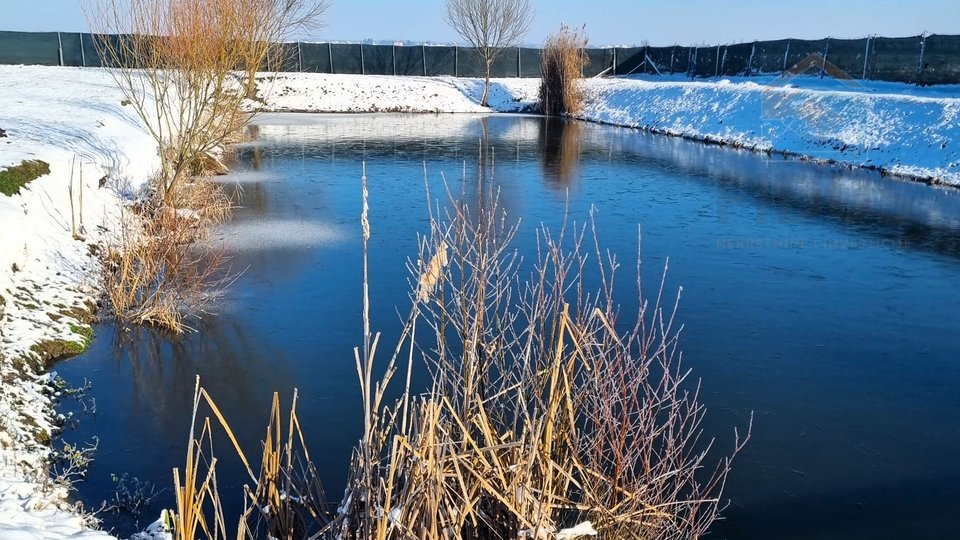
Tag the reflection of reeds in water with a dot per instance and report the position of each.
(559, 142)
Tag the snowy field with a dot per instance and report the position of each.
(73, 119)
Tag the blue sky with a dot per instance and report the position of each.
(609, 22)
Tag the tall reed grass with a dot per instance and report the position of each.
(561, 69)
(550, 412)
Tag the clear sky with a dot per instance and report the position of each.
(608, 22)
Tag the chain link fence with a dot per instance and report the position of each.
(922, 60)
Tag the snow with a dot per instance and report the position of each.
(895, 128)
(58, 115)
(72, 115)
(906, 135)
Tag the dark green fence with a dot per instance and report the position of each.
(933, 59)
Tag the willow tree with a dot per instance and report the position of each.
(186, 66)
(489, 26)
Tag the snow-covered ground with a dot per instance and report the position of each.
(896, 128)
(61, 116)
(70, 115)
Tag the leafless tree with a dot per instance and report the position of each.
(489, 26)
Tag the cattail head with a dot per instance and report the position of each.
(432, 273)
(364, 219)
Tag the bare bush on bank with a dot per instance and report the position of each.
(186, 68)
(550, 413)
(561, 69)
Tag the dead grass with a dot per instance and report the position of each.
(550, 413)
(162, 272)
(561, 69)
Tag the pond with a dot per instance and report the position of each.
(825, 300)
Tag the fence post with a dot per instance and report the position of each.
(717, 67)
(299, 58)
(83, 54)
(614, 69)
(363, 66)
(393, 56)
(723, 63)
(923, 48)
(456, 61)
(753, 52)
(60, 48)
(673, 54)
(866, 58)
(423, 51)
(785, 56)
(823, 64)
(518, 64)
(330, 54)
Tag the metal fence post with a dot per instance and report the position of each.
(363, 66)
(673, 55)
(866, 58)
(717, 68)
(785, 56)
(923, 48)
(299, 58)
(423, 50)
(753, 52)
(614, 62)
(330, 54)
(826, 53)
(83, 54)
(393, 55)
(518, 63)
(60, 47)
(456, 61)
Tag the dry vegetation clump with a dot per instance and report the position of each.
(161, 271)
(550, 413)
(561, 69)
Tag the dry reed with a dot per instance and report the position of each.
(162, 270)
(550, 413)
(561, 69)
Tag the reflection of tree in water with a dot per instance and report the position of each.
(163, 367)
(559, 142)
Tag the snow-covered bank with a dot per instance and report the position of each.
(71, 119)
(915, 135)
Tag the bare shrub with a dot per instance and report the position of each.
(561, 69)
(176, 63)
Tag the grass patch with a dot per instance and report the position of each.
(60, 349)
(14, 178)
